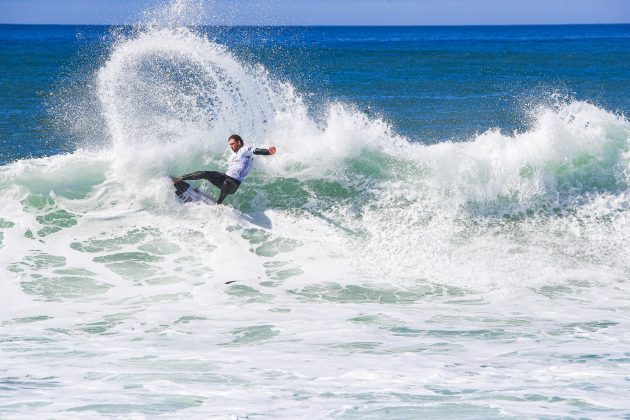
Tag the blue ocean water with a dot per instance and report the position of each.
(431, 83)
(442, 233)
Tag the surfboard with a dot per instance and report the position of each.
(186, 193)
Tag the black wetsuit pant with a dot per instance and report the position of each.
(226, 184)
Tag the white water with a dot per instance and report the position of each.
(374, 278)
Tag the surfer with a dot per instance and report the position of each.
(238, 168)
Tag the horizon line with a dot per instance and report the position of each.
(331, 25)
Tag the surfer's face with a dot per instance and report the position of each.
(234, 145)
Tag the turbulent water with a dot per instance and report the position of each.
(355, 274)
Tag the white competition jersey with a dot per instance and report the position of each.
(240, 162)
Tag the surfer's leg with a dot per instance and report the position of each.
(214, 177)
(229, 186)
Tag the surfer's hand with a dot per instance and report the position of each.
(177, 179)
(272, 150)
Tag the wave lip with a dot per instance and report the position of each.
(572, 151)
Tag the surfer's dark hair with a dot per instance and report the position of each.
(237, 138)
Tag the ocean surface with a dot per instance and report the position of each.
(443, 232)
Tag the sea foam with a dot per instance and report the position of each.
(368, 275)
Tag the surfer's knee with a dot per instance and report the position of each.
(229, 186)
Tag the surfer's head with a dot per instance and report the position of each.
(235, 142)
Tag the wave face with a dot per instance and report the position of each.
(415, 280)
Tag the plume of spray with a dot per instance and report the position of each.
(168, 92)
(167, 89)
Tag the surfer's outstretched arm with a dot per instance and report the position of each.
(265, 152)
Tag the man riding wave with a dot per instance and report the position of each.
(228, 182)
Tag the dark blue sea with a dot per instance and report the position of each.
(443, 232)
(431, 83)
